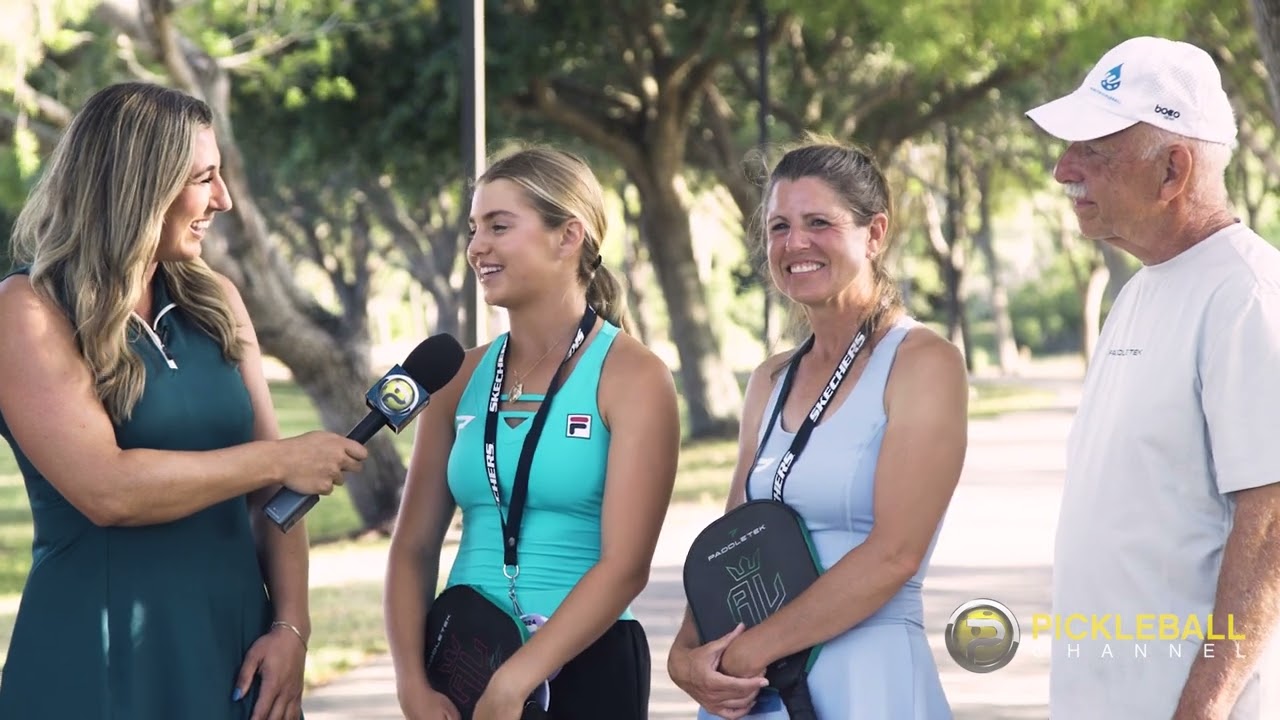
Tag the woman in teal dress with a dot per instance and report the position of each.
(132, 395)
(599, 471)
(875, 478)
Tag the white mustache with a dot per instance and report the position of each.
(1075, 191)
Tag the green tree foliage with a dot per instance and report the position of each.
(374, 87)
(1047, 311)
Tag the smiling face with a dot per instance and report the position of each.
(204, 194)
(819, 251)
(512, 251)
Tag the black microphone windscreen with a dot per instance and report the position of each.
(435, 361)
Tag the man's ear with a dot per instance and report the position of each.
(1179, 163)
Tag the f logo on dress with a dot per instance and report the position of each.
(578, 426)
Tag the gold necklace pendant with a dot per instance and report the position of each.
(517, 388)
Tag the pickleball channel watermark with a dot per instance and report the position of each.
(982, 635)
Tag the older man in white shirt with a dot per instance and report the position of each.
(1171, 511)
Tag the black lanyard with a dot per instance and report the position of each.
(520, 488)
(811, 420)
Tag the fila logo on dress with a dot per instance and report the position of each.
(578, 426)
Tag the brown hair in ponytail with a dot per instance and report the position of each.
(857, 180)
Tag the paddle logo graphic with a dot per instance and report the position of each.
(753, 599)
(468, 669)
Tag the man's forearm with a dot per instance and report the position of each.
(1247, 601)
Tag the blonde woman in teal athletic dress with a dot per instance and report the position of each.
(132, 395)
(601, 472)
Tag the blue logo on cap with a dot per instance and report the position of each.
(1112, 79)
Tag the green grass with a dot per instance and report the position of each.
(347, 628)
(346, 617)
(705, 471)
(988, 400)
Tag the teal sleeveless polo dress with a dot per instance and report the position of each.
(150, 622)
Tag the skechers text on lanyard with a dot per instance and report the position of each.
(520, 486)
(811, 420)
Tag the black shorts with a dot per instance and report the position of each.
(610, 679)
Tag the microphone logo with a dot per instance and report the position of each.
(397, 394)
(397, 397)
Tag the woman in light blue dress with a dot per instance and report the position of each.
(875, 478)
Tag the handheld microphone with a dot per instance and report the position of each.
(394, 401)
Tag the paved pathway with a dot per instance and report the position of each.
(997, 542)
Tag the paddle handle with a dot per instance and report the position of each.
(799, 704)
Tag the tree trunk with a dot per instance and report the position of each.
(744, 183)
(653, 158)
(1266, 21)
(1006, 348)
(430, 248)
(1095, 290)
(328, 359)
(329, 383)
(708, 385)
(632, 270)
(1090, 276)
(1120, 267)
(957, 231)
(1244, 189)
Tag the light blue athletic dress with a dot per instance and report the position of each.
(560, 535)
(882, 668)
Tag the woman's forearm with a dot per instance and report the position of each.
(411, 582)
(687, 636)
(593, 605)
(285, 565)
(146, 487)
(686, 639)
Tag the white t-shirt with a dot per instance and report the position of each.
(1181, 406)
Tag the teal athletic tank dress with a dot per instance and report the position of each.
(560, 535)
(153, 622)
(883, 667)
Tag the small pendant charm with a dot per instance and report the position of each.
(516, 391)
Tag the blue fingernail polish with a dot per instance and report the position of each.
(235, 696)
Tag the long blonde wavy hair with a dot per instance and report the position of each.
(92, 223)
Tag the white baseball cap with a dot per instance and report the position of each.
(1169, 84)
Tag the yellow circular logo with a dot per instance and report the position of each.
(397, 394)
(982, 635)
